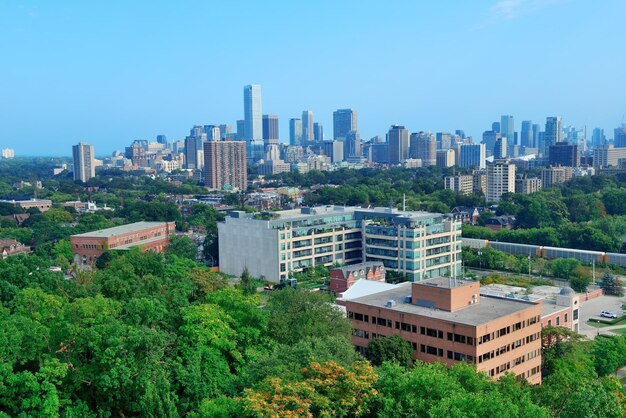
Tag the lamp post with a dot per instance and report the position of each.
(529, 270)
(480, 259)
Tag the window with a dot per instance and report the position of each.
(565, 318)
(558, 321)
(575, 314)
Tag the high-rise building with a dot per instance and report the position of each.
(446, 158)
(344, 121)
(318, 132)
(84, 167)
(444, 140)
(500, 149)
(619, 140)
(334, 150)
(295, 132)
(552, 134)
(536, 132)
(226, 131)
(352, 146)
(463, 184)
(527, 134)
(598, 138)
(162, 139)
(191, 153)
(308, 135)
(565, 154)
(500, 179)
(526, 185)
(423, 146)
(472, 155)
(213, 133)
(460, 133)
(555, 175)
(270, 129)
(253, 112)
(489, 139)
(225, 165)
(398, 139)
(240, 135)
(507, 128)
(495, 127)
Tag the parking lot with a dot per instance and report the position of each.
(591, 310)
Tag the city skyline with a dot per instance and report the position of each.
(72, 78)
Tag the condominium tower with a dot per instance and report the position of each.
(225, 165)
(84, 167)
(252, 111)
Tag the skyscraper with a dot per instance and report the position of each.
(344, 121)
(500, 180)
(252, 111)
(564, 154)
(225, 165)
(500, 149)
(472, 155)
(295, 131)
(553, 133)
(495, 127)
(598, 138)
(191, 153)
(398, 144)
(240, 135)
(318, 132)
(270, 129)
(619, 140)
(536, 132)
(527, 134)
(84, 167)
(507, 128)
(423, 146)
(352, 146)
(308, 136)
(162, 139)
(444, 140)
(489, 139)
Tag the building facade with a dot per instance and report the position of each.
(460, 183)
(500, 179)
(449, 321)
(84, 166)
(149, 236)
(415, 245)
(565, 154)
(472, 155)
(398, 140)
(225, 165)
(252, 113)
(308, 135)
(555, 175)
(270, 129)
(344, 121)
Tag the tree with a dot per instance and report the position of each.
(182, 246)
(611, 285)
(296, 314)
(393, 348)
(609, 354)
(246, 284)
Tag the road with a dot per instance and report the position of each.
(591, 310)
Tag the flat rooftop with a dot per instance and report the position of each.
(327, 210)
(118, 230)
(489, 308)
(445, 282)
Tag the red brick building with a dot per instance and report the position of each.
(149, 236)
(448, 321)
(342, 278)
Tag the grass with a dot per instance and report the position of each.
(620, 331)
(601, 323)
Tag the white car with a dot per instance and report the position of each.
(607, 314)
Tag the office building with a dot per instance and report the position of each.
(137, 153)
(84, 165)
(253, 113)
(398, 139)
(598, 139)
(240, 135)
(507, 128)
(444, 140)
(423, 146)
(225, 165)
(619, 140)
(191, 153)
(380, 153)
(489, 139)
(527, 137)
(344, 121)
(318, 132)
(564, 154)
(527, 185)
(555, 175)
(352, 146)
(446, 158)
(500, 149)
(536, 131)
(226, 131)
(450, 321)
(308, 135)
(295, 132)
(552, 133)
(608, 156)
(500, 179)
(270, 129)
(162, 139)
(495, 127)
(212, 132)
(148, 236)
(334, 150)
(460, 183)
(472, 155)
(297, 239)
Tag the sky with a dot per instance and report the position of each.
(108, 73)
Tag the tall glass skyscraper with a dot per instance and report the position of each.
(344, 121)
(253, 113)
(507, 128)
(308, 135)
(527, 133)
(553, 133)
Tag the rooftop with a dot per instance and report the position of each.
(118, 230)
(489, 309)
(445, 282)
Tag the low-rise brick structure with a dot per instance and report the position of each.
(342, 278)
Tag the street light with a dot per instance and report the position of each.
(480, 259)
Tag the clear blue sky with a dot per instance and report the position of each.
(111, 72)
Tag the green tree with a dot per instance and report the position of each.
(182, 246)
(393, 348)
(611, 285)
(247, 283)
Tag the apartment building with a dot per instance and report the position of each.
(449, 321)
(555, 175)
(527, 185)
(416, 245)
(460, 183)
(149, 236)
(500, 179)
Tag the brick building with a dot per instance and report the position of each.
(12, 247)
(149, 236)
(448, 321)
(342, 278)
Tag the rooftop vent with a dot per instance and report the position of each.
(390, 303)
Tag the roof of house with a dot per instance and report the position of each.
(119, 230)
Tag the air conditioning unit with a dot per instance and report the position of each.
(390, 303)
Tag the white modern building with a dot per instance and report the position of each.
(500, 179)
(270, 245)
(84, 167)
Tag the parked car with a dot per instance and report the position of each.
(607, 314)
